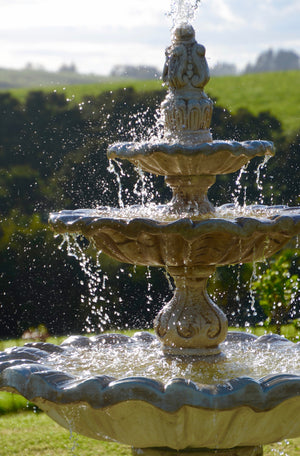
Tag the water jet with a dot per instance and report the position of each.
(194, 400)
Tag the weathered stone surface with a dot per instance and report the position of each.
(186, 110)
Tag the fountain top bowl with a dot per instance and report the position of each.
(172, 158)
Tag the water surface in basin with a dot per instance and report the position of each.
(255, 358)
(165, 213)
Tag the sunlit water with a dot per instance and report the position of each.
(166, 214)
(146, 359)
(99, 289)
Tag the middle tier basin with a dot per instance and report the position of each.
(210, 241)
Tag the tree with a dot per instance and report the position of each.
(65, 68)
(223, 69)
(282, 60)
(277, 289)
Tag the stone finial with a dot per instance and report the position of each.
(185, 65)
(187, 110)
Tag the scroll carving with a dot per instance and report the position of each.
(191, 321)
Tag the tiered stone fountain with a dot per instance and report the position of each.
(190, 238)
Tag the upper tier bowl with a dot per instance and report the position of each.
(176, 159)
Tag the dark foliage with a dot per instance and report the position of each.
(53, 156)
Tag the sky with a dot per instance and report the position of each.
(95, 35)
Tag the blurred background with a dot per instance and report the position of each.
(73, 80)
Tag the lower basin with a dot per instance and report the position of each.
(118, 393)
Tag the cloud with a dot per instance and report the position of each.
(131, 31)
(128, 13)
(226, 12)
(90, 49)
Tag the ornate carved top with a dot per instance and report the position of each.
(186, 65)
(186, 110)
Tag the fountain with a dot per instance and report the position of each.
(194, 387)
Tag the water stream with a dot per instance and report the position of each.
(182, 11)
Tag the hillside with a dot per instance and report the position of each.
(33, 78)
(275, 92)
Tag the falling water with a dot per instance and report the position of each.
(169, 279)
(239, 188)
(252, 309)
(107, 301)
(96, 281)
(182, 11)
(73, 441)
(118, 173)
(143, 192)
(140, 187)
(237, 291)
(259, 178)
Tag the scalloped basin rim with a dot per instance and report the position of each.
(180, 414)
(79, 220)
(21, 371)
(134, 149)
(59, 388)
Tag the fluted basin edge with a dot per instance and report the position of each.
(177, 414)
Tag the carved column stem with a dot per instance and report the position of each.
(190, 193)
(191, 323)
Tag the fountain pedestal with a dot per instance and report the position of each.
(191, 324)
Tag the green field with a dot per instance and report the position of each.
(76, 92)
(275, 92)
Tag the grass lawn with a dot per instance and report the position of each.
(34, 434)
(275, 92)
(20, 342)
